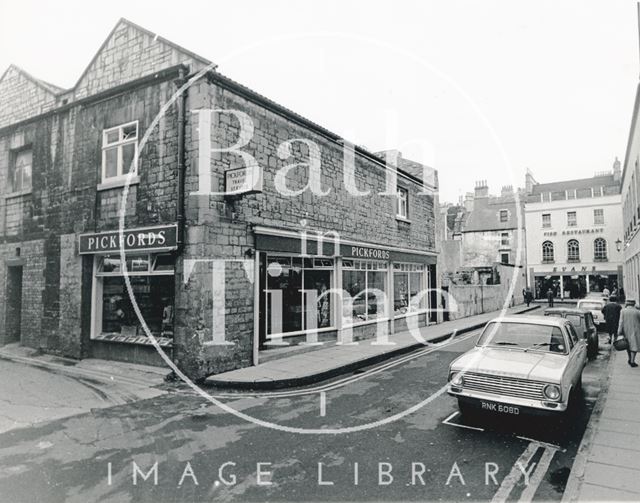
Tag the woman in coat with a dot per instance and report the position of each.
(629, 327)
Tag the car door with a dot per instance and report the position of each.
(577, 357)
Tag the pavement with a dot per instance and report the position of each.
(37, 387)
(314, 366)
(607, 467)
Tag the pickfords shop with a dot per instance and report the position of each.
(240, 226)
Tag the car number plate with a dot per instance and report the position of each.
(500, 408)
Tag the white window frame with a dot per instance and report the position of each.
(500, 213)
(572, 222)
(505, 239)
(598, 218)
(121, 172)
(402, 208)
(546, 225)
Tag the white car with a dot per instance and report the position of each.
(520, 364)
(594, 305)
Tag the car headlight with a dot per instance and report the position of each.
(457, 379)
(551, 391)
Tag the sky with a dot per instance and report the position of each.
(477, 90)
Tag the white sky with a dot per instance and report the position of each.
(555, 80)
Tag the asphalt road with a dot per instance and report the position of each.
(427, 453)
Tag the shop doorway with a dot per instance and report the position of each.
(14, 303)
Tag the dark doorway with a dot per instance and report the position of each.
(14, 303)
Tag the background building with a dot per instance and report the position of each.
(574, 233)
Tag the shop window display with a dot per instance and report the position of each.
(152, 282)
(365, 281)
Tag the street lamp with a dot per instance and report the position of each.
(618, 244)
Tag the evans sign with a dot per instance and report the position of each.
(160, 238)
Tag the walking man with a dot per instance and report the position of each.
(630, 328)
(550, 297)
(611, 311)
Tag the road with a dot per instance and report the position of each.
(205, 453)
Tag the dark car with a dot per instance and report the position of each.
(582, 321)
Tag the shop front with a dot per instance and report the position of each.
(569, 283)
(315, 289)
(149, 262)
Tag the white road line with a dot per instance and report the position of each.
(351, 379)
(515, 474)
(534, 481)
(545, 444)
(447, 421)
(323, 404)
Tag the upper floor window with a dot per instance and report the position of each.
(598, 216)
(600, 249)
(572, 219)
(119, 147)
(403, 203)
(504, 239)
(546, 220)
(504, 216)
(547, 251)
(20, 171)
(573, 251)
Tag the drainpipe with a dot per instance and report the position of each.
(180, 216)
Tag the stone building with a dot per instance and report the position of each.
(574, 234)
(242, 229)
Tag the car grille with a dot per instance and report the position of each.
(501, 385)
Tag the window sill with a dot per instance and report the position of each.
(403, 219)
(117, 183)
(18, 194)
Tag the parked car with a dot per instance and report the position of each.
(520, 364)
(582, 321)
(595, 305)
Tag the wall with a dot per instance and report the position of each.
(219, 228)
(477, 299)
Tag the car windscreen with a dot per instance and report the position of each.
(576, 320)
(525, 336)
(590, 306)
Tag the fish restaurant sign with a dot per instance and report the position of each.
(160, 238)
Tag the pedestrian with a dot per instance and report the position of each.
(528, 296)
(629, 327)
(606, 292)
(550, 297)
(611, 311)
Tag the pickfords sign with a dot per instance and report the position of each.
(160, 238)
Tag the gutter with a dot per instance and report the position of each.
(180, 217)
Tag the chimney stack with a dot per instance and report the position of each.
(507, 190)
(481, 189)
(617, 173)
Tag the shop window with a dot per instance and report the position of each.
(119, 147)
(303, 285)
(20, 171)
(154, 290)
(573, 251)
(598, 216)
(600, 250)
(407, 284)
(572, 219)
(365, 281)
(403, 203)
(547, 252)
(546, 220)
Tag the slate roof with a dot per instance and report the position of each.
(581, 183)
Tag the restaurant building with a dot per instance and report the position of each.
(243, 230)
(574, 235)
